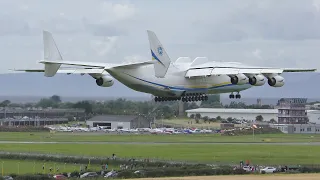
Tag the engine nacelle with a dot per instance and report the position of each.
(105, 81)
(239, 79)
(276, 81)
(257, 80)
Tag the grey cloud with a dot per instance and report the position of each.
(29, 18)
(100, 29)
(273, 20)
(14, 26)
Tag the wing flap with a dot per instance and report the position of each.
(298, 70)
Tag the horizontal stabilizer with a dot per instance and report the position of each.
(199, 72)
(66, 71)
(183, 60)
(199, 60)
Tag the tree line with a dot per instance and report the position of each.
(126, 107)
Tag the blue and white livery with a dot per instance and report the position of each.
(180, 80)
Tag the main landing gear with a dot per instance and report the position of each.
(194, 97)
(187, 98)
(237, 96)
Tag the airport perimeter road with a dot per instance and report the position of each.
(72, 142)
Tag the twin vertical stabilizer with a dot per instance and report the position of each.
(51, 53)
(158, 54)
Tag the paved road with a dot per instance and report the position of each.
(159, 143)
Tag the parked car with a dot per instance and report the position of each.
(268, 170)
(89, 174)
(247, 168)
(7, 177)
(59, 176)
(111, 174)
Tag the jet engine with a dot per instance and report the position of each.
(239, 79)
(105, 81)
(276, 81)
(257, 80)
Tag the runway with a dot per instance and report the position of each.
(162, 143)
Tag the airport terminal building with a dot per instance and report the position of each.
(118, 122)
(239, 114)
(250, 114)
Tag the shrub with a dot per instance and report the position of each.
(33, 177)
(94, 160)
(309, 170)
(23, 129)
(176, 172)
(74, 174)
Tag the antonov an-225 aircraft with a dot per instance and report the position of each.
(166, 80)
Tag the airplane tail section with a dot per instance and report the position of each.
(51, 53)
(159, 54)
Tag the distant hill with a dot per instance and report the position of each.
(26, 87)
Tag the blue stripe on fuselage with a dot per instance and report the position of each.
(179, 88)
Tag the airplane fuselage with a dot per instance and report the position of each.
(142, 79)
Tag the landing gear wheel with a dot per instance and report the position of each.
(238, 96)
(231, 96)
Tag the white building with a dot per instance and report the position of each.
(298, 128)
(248, 114)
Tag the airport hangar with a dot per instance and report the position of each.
(248, 114)
(118, 121)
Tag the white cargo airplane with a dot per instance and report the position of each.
(179, 80)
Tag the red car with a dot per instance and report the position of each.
(59, 176)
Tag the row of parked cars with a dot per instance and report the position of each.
(262, 170)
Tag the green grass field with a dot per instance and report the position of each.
(98, 137)
(32, 167)
(210, 153)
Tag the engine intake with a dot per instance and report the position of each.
(276, 81)
(105, 81)
(257, 80)
(239, 79)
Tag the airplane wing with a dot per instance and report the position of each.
(97, 65)
(202, 67)
(219, 70)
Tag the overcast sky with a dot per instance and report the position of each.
(283, 33)
(265, 32)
